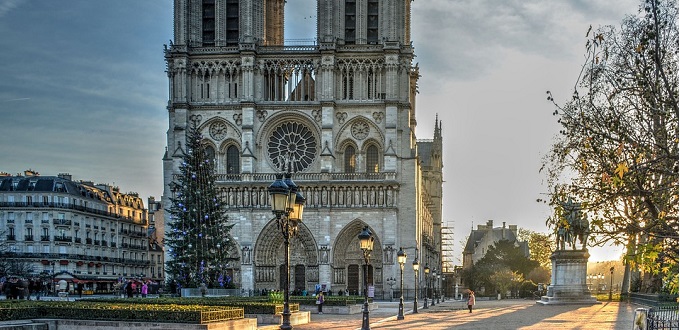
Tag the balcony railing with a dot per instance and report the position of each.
(28, 238)
(70, 206)
(45, 238)
(62, 222)
(63, 239)
(11, 238)
(77, 239)
(88, 241)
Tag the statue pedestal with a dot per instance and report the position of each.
(568, 279)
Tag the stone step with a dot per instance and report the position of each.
(27, 325)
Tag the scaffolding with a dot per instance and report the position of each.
(447, 249)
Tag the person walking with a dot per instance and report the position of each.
(319, 301)
(145, 289)
(471, 300)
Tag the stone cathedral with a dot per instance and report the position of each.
(340, 111)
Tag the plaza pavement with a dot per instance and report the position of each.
(494, 314)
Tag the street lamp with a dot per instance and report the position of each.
(401, 259)
(611, 281)
(433, 293)
(287, 205)
(427, 286)
(366, 243)
(438, 287)
(600, 277)
(416, 266)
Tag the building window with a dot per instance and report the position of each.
(292, 144)
(233, 160)
(372, 160)
(350, 159)
(209, 152)
(29, 200)
(372, 23)
(350, 21)
(208, 23)
(232, 22)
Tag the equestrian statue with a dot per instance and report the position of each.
(572, 226)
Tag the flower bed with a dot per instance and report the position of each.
(173, 313)
(251, 305)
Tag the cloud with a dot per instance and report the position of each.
(7, 6)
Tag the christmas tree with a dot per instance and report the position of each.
(197, 238)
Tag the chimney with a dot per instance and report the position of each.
(65, 176)
(503, 231)
(489, 224)
(513, 229)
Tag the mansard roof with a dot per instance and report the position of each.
(58, 184)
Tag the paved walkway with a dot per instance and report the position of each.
(496, 315)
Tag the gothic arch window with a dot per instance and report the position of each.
(372, 159)
(350, 159)
(233, 160)
(232, 14)
(372, 22)
(350, 21)
(208, 23)
(209, 152)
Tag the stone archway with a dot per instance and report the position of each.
(348, 260)
(269, 259)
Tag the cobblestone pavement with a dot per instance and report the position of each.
(496, 315)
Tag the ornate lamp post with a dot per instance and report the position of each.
(287, 205)
(611, 281)
(438, 287)
(416, 267)
(427, 284)
(366, 243)
(433, 293)
(401, 259)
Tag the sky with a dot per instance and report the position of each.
(83, 90)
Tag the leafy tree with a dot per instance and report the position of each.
(541, 246)
(9, 263)
(618, 147)
(198, 235)
(505, 279)
(501, 256)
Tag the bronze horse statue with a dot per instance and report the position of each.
(572, 227)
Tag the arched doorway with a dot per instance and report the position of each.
(269, 259)
(348, 261)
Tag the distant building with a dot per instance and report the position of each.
(485, 236)
(78, 231)
(156, 235)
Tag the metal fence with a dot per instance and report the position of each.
(662, 318)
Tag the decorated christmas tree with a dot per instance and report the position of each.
(197, 238)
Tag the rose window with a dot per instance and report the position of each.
(360, 130)
(292, 143)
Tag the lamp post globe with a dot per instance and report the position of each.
(401, 259)
(366, 244)
(416, 267)
(426, 270)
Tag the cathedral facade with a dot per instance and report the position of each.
(339, 114)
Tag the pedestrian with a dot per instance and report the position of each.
(319, 301)
(471, 300)
(145, 290)
(129, 289)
